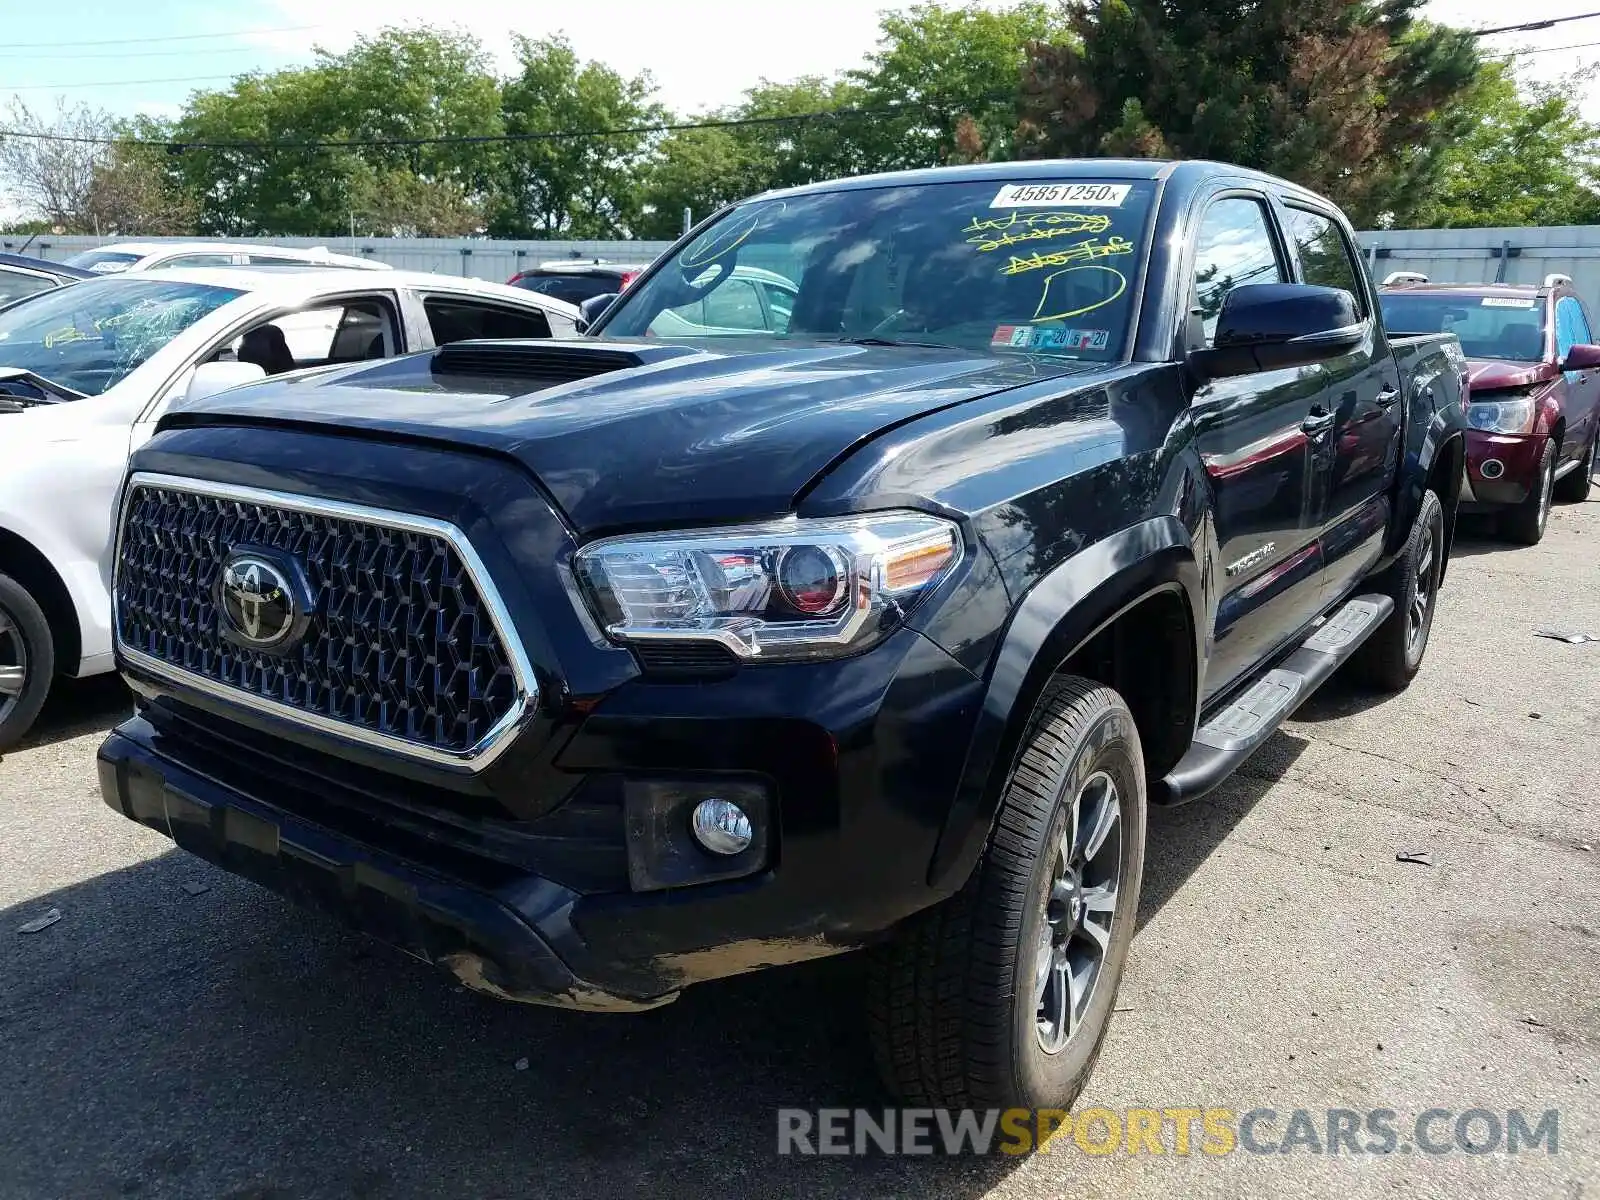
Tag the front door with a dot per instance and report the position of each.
(1355, 457)
(1251, 434)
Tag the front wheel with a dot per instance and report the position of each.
(27, 661)
(1526, 522)
(1000, 997)
(1392, 656)
(1574, 489)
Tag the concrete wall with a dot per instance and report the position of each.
(482, 258)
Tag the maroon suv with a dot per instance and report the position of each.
(1535, 394)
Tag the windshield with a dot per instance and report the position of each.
(106, 262)
(93, 334)
(1034, 267)
(1503, 327)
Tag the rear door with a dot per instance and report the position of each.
(1355, 438)
(1250, 435)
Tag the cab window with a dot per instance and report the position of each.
(461, 320)
(1324, 253)
(1234, 246)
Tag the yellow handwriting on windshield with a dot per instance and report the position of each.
(1081, 252)
(65, 336)
(996, 233)
(1064, 296)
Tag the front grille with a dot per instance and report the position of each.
(401, 646)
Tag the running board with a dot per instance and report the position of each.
(1223, 743)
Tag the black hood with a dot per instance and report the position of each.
(669, 432)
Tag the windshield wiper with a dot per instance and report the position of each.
(870, 340)
(54, 393)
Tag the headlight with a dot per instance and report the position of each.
(787, 590)
(1501, 416)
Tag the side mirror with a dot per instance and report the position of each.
(1581, 357)
(1269, 326)
(209, 378)
(589, 311)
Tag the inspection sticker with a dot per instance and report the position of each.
(1020, 336)
(1071, 339)
(1506, 302)
(1048, 195)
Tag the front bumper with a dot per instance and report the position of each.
(1518, 458)
(552, 913)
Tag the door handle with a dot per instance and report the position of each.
(1387, 396)
(1317, 422)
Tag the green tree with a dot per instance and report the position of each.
(391, 89)
(133, 194)
(1528, 159)
(941, 66)
(1355, 98)
(562, 186)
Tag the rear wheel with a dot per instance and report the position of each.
(1391, 657)
(1000, 997)
(1574, 489)
(1526, 522)
(27, 661)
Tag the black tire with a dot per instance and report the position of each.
(1391, 657)
(954, 1001)
(1526, 522)
(25, 643)
(1574, 489)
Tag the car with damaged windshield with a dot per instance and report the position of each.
(1534, 370)
(87, 371)
(592, 670)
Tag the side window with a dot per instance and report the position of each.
(780, 304)
(273, 260)
(1567, 319)
(349, 331)
(1234, 246)
(198, 260)
(1324, 253)
(735, 305)
(459, 320)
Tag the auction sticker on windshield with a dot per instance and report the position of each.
(1506, 302)
(1043, 195)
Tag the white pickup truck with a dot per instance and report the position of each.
(87, 370)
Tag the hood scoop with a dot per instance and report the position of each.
(541, 363)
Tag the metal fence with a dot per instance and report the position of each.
(482, 258)
(1446, 255)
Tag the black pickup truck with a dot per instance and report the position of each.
(978, 509)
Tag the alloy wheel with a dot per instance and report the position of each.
(1080, 905)
(13, 664)
(1547, 486)
(1422, 591)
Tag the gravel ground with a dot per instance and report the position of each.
(162, 1040)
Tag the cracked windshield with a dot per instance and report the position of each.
(91, 336)
(1031, 267)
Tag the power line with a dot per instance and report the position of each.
(209, 50)
(474, 139)
(100, 83)
(1531, 25)
(1545, 50)
(173, 37)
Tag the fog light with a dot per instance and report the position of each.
(722, 827)
(1492, 468)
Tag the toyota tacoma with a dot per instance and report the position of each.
(594, 668)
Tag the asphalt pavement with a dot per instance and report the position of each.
(179, 1033)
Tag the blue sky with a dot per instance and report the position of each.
(104, 54)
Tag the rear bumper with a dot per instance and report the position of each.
(485, 941)
(1513, 461)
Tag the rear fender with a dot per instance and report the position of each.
(1057, 617)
